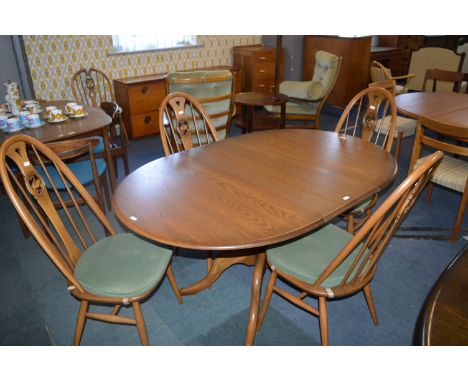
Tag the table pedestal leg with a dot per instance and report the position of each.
(219, 265)
(283, 116)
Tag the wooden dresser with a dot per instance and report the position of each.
(406, 44)
(257, 64)
(354, 71)
(141, 96)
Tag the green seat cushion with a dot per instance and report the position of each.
(362, 206)
(306, 258)
(122, 266)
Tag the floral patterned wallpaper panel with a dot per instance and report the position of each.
(54, 59)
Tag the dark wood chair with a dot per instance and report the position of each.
(331, 263)
(116, 270)
(92, 87)
(436, 75)
(370, 115)
(452, 172)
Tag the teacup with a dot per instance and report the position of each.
(69, 107)
(33, 107)
(3, 122)
(77, 110)
(33, 120)
(49, 110)
(23, 117)
(56, 115)
(13, 125)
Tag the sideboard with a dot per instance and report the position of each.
(141, 96)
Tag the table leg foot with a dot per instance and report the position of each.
(257, 279)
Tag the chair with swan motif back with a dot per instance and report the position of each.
(307, 98)
(100, 266)
(379, 73)
(332, 263)
(370, 115)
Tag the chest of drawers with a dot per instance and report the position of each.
(257, 64)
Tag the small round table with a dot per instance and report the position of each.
(249, 100)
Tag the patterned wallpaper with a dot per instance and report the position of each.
(54, 59)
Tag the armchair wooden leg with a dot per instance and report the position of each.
(323, 320)
(172, 281)
(80, 322)
(459, 219)
(267, 299)
(140, 324)
(370, 303)
(429, 192)
(350, 220)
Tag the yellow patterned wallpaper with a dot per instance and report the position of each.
(54, 59)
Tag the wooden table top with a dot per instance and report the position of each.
(72, 127)
(260, 99)
(447, 107)
(445, 313)
(251, 190)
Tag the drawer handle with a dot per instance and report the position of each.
(261, 86)
(145, 89)
(262, 58)
(261, 71)
(147, 120)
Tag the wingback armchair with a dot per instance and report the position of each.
(307, 98)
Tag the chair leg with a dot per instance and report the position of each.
(429, 192)
(116, 167)
(370, 303)
(125, 160)
(459, 219)
(323, 320)
(116, 310)
(267, 299)
(172, 281)
(398, 145)
(140, 324)
(80, 322)
(350, 219)
(106, 191)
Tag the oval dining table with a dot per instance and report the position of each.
(245, 193)
(95, 123)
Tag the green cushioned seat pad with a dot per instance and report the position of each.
(362, 205)
(306, 258)
(122, 266)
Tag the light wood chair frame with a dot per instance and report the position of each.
(374, 236)
(375, 103)
(439, 142)
(54, 234)
(443, 75)
(228, 96)
(377, 68)
(314, 118)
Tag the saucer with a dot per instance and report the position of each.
(79, 116)
(37, 112)
(57, 120)
(14, 131)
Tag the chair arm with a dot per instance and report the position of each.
(306, 90)
(405, 77)
(305, 100)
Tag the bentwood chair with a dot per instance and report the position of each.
(445, 76)
(331, 263)
(213, 89)
(370, 115)
(405, 127)
(117, 269)
(379, 73)
(307, 98)
(452, 172)
(184, 125)
(92, 87)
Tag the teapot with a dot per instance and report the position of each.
(12, 97)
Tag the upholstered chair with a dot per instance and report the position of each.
(307, 98)
(213, 89)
